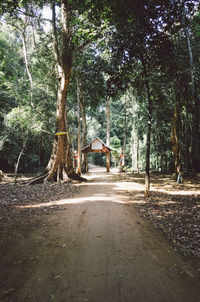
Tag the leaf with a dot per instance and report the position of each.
(58, 276)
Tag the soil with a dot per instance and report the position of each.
(88, 242)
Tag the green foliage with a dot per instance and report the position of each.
(112, 40)
(116, 148)
(21, 126)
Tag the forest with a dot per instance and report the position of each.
(127, 72)
(113, 86)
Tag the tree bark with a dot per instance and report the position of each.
(195, 148)
(148, 145)
(122, 166)
(19, 157)
(55, 43)
(137, 152)
(79, 126)
(134, 136)
(82, 107)
(132, 151)
(25, 53)
(187, 134)
(60, 165)
(108, 161)
(108, 133)
(175, 133)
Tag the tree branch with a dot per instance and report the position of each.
(55, 36)
(88, 41)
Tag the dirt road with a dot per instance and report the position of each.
(95, 249)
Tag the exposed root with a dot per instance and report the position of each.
(75, 176)
(37, 180)
(44, 178)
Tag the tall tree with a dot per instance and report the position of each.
(108, 131)
(79, 96)
(83, 114)
(61, 163)
(193, 85)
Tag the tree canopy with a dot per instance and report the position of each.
(141, 55)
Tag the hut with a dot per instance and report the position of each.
(98, 146)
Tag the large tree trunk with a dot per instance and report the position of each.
(60, 165)
(108, 133)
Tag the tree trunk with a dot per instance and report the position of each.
(115, 161)
(25, 52)
(148, 146)
(135, 140)
(108, 133)
(125, 128)
(79, 127)
(108, 161)
(137, 153)
(175, 133)
(19, 157)
(82, 107)
(132, 152)
(124, 142)
(187, 134)
(161, 162)
(61, 165)
(147, 169)
(195, 106)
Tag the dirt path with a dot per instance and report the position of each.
(96, 249)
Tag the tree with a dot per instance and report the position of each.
(20, 125)
(79, 97)
(148, 48)
(115, 143)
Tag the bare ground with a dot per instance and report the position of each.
(92, 247)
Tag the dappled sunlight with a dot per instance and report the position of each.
(166, 202)
(73, 201)
(173, 208)
(114, 192)
(67, 201)
(117, 188)
(177, 192)
(162, 184)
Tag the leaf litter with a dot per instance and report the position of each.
(174, 209)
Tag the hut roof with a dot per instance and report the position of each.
(89, 148)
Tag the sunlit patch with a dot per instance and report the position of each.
(166, 202)
(179, 192)
(118, 193)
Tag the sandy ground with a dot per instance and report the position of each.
(95, 248)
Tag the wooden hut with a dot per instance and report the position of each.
(98, 146)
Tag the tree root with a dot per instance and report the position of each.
(75, 176)
(37, 180)
(42, 178)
